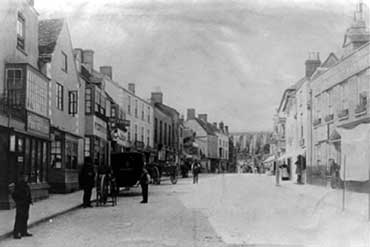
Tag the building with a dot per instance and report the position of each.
(56, 60)
(140, 114)
(24, 108)
(167, 130)
(340, 92)
(222, 134)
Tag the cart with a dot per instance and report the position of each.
(160, 168)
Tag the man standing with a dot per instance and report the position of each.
(144, 183)
(299, 169)
(195, 169)
(22, 198)
(87, 180)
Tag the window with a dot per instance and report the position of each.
(148, 138)
(160, 132)
(14, 84)
(56, 154)
(60, 95)
(87, 146)
(88, 100)
(136, 108)
(37, 91)
(148, 114)
(169, 135)
(113, 111)
(71, 154)
(72, 104)
(142, 112)
(165, 134)
(64, 62)
(135, 132)
(155, 130)
(21, 31)
(142, 134)
(129, 105)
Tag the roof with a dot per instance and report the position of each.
(49, 31)
(208, 127)
(166, 109)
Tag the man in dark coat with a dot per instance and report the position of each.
(22, 198)
(144, 183)
(87, 180)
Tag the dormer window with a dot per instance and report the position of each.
(21, 32)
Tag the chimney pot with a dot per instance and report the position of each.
(157, 97)
(131, 87)
(88, 58)
(190, 114)
(203, 117)
(106, 70)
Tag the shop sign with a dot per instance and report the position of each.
(120, 137)
(37, 124)
(100, 128)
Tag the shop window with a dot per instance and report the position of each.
(56, 154)
(21, 30)
(44, 161)
(72, 102)
(71, 155)
(59, 98)
(87, 146)
(15, 87)
(88, 101)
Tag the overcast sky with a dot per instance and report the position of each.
(230, 59)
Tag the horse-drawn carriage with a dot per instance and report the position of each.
(125, 171)
(160, 168)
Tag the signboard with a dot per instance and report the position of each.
(100, 128)
(120, 137)
(37, 124)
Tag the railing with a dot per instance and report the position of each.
(343, 114)
(317, 121)
(329, 117)
(360, 109)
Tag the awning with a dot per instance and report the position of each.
(269, 159)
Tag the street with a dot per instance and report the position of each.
(222, 210)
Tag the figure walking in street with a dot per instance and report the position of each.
(299, 168)
(87, 180)
(144, 183)
(334, 173)
(196, 170)
(23, 199)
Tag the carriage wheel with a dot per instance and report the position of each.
(103, 190)
(173, 176)
(156, 176)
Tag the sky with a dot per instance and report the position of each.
(231, 59)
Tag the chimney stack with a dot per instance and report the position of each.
(131, 88)
(190, 114)
(106, 70)
(312, 63)
(221, 126)
(226, 130)
(157, 97)
(203, 117)
(88, 58)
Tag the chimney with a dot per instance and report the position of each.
(221, 126)
(88, 58)
(203, 117)
(157, 97)
(190, 114)
(106, 70)
(131, 87)
(226, 130)
(312, 63)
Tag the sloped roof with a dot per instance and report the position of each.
(208, 127)
(49, 31)
(166, 109)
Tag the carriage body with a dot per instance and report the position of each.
(127, 168)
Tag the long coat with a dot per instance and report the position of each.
(87, 177)
(22, 194)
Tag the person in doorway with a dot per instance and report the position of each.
(23, 200)
(87, 181)
(334, 173)
(144, 183)
(299, 169)
(196, 170)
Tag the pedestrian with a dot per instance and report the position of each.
(196, 170)
(284, 172)
(87, 181)
(144, 183)
(23, 200)
(299, 169)
(334, 173)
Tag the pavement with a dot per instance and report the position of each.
(41, 211)
(222, 210)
